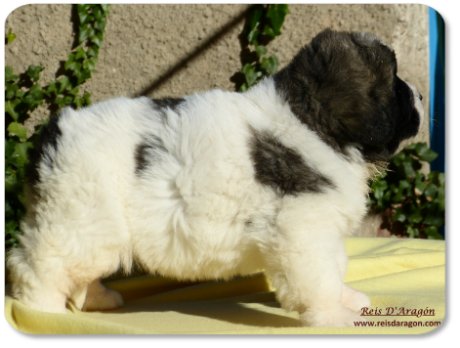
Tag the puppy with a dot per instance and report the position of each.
(218, 184)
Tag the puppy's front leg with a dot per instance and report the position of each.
(351, 298)
(302, 263)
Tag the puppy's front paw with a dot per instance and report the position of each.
(339, 317)
(354, 299)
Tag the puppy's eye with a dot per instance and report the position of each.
(421, 98)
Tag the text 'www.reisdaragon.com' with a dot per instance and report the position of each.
(397, 323)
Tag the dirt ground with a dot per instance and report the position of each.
(173, 50)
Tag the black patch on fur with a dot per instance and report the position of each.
(345, 88)
(140, 158)
(162, 105)
(171, 103)
(147, 153)
(49, 136)
(283, 168)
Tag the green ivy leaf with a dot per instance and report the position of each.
(270, 65)
(415, 216)
(276, 13)
(34, 72)
(431, 191)
(97, 39)
(260, 50)
(440, 200)
(424, 153)
(68, 100)
(411, 147)
(255, 15)
(59, 101)
(11, 181)
(20, 153)
(82, 10)
(93, 51)
(80, 53)
(9, 149)
(379, 188)
(250, 74)
(34, 97)
(11, 227)
(87, 98)
(9, 76)
(442, 179)
(63, 83)
(52, 89)
(244, 87)
(78, 102)
(84, 33)
(11, 90)
(20, 93)
(36, 89)
(100, 24)
(398, 158)
(404, 184)
(420, 184)
(15, 129)
(90, 64)
(74, 91)
(10, 106)
(9, 211)
(434, 220)
(252, 37)
(432, 232)
(82, 76)
(97, 13)
(10, 37)
(70, 63)
(412, 231)
(269, 31)
(408, 166)
(399, 216)
(105, 8)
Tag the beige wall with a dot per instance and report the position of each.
(144, 43)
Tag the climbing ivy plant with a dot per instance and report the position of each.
(263, 25)
(23, 94)
(412, 203)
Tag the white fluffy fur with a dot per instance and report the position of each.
(185, 216)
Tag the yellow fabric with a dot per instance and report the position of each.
(393, 272)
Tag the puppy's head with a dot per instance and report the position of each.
(345, 87)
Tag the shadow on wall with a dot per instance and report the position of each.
(204, 46)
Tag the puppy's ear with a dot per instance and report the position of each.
(377, 56)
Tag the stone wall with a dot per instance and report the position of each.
(172, 50)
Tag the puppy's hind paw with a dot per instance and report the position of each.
(100, 298)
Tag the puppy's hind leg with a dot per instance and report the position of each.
(78, 296)
(34, 284)
(100, 298)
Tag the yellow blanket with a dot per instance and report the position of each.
(404, 278)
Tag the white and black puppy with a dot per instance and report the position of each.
(218, 184)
